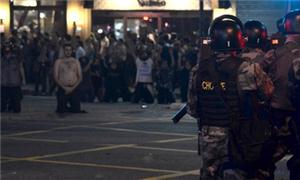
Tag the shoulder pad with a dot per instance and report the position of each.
(287, 48)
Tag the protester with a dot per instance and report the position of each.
(144, 76)
(85, 86)
(12, 78)
(68, 75)
(164, 84)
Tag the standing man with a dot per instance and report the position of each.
(210, 80)
(278, 64)
(256, 104)
(253, 54)
(294, 91)
(215, 99)
(12, 78)
(80, 51)
(144, 76)
(67, 74)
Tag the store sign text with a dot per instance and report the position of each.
(152, 2)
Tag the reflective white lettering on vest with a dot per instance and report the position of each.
(208, 86)
(223, 85)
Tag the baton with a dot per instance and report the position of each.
(179, 114)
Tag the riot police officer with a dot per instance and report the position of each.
(294, 91)
(278, 63)
(204, 102)
(210, 78)
(256, 42)
(214, 99)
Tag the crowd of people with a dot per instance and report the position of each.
(112, 69)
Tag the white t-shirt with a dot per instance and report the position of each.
(144, 70)
(80, 52)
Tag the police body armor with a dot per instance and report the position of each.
(220, 104)
(217, 91)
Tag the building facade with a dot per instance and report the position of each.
(265, 11)
(149, 15)
(81, 17)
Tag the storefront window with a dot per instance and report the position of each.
(141, 26)
(47, 21)
(42, 15)
(52, 21)
(133, 25)
(119, 26)
(25, 20)
(34, 2)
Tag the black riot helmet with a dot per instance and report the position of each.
(256, 34)
(226, 33)
(292, 22)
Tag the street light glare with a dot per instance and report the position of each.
(3, 14)
(100, 31)
(42, 15)
(145, 18)
(74, 17)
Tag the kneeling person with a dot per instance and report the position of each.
(67, 74)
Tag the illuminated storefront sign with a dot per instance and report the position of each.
(152, 5)
(152, 2)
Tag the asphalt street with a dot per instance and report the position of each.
(111, 141)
